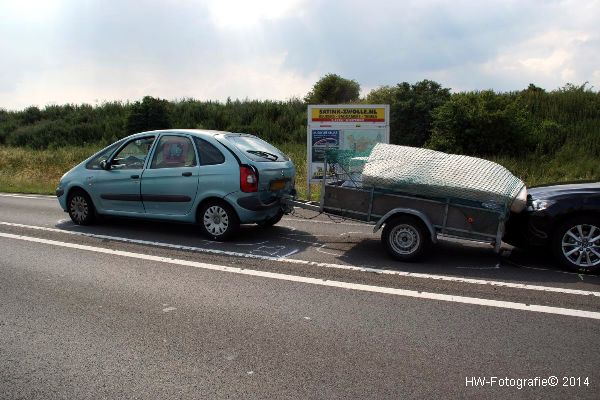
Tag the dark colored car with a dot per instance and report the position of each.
(564, 218)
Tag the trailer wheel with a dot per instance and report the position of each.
(405, 238)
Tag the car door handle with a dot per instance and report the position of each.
(135, 177)
(186, 174)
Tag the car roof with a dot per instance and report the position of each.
(198, 132)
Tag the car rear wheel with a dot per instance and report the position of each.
(405, 238)
(576, 243)
(80, 207)
(218, 220)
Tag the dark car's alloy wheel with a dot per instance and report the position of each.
(577, 243)
(581, 245)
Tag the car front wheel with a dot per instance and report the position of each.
(80, 207)
(218, 220)
(576, 243)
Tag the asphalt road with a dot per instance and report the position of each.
(312, 308)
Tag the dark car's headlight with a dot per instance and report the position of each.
(540, 204)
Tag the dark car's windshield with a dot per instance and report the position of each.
(256, 149)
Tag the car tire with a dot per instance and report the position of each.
(271, 221)
(405, 238)
(576, 243)
(218, 221)
(81, 208)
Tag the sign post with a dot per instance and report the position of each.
(355, 127)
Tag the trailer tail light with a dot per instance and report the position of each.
(248, 179)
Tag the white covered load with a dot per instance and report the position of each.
(432, 173)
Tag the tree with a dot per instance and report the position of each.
(31, 115)
(147, 115)
(482, 123)
(333, 89)
(410, 109)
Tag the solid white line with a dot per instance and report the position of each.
(320, 282)
(446, 278)
(21, 196)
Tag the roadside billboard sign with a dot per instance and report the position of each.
(355, 127)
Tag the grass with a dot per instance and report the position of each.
(567, 165)
(24, 170)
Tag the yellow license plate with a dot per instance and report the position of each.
(278, 185)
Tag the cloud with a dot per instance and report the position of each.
(82, 51)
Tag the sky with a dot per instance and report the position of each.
(91, 51)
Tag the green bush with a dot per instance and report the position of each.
(410, 109)
(549, 136)
(40, 135)
(481, 123)
(148, 115)
(333, 89)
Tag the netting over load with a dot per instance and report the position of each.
(429, 173)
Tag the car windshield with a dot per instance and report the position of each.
(257, 149)
(102, 155)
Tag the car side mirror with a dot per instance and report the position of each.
(104, 164)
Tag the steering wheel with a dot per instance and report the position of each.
(133, 162)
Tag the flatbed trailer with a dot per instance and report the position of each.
(410, 223)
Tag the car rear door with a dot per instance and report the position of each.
(170, 181)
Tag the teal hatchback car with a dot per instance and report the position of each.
(218, 180)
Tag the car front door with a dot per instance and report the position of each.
(118, 187)
(170, 181)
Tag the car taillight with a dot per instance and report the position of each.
(248, 179)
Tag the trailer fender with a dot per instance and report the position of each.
(409, 211)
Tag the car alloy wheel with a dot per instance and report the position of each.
(81, 210)
(581, 245)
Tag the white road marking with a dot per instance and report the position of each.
(318, 246)
(290, 253)
(446, 278)
(270, 250)
(320, 250)
(168, 309)
(320, 282)
(22, 196)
